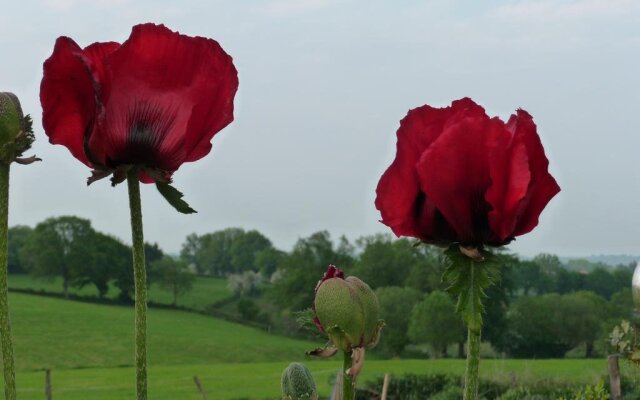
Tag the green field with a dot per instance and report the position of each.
(89, 348)
(261, 380)
(55, 333)
(205, 291)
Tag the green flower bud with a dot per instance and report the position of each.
(347, 311)
(16, 134)
(297, 383)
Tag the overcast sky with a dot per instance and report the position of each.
(323, 85)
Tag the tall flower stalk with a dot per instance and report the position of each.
(137, 111)
(16, 136)
(140, 281)
(466, 181)
(5, 324)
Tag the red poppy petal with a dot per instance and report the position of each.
(97, 54)
(454, 173)
(398, 190)
(510, 178)
(543, 187)
(170, 81)
(67, 97)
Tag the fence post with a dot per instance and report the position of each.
(337, 387)
(385, 387)
(614, 377)
(199, 386)
(48, 393)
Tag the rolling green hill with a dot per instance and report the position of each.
(89, 348)
(205, 291)
(55, 333)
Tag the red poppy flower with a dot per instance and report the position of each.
(462, 177)
(153, 102)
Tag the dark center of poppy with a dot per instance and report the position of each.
(146, 129)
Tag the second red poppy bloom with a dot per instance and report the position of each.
(153, 102)
(462, 177)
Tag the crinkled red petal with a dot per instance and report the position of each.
(404, 207)
(168, 95)
(454, 173)
(542, 186)
(68, 97)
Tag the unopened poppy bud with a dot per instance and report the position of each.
(347, 311)
(16, 134)
(297, 383)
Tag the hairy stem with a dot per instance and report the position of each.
(473, 361)
(474, 324)
(5, 324)
(140, 278)
(347, 382)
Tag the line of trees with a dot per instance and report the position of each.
(541, 308)
(69, 248)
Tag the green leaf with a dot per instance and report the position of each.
(174, 197)
(468, 279)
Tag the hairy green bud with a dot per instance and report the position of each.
(297, 383)
(16, 132)
(347, 311)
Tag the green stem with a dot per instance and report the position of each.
(5, 324)
(140, 278)
(473, 361)
(347, 381)
(474, 328)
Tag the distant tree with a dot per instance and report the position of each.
(548, 326)
(621, 304)
(105, 256)
(245, 249)
(601, 282)
(396, 304)
(550, 264)
(224, 252)
(190, 250)
(173, 275)
(58, 247)
(582, 315)
(622, 275)
(300, 270)
(529, 275)
(536, 328)
(267, 261)
(385, 261)
(425, 274)
(434, 321)
(17, 237)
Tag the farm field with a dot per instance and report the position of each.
(55, 333)
(205, 291)
(89, 349)
(235, 381)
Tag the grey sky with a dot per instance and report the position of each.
(323, 84)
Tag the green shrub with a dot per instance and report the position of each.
(596, 392)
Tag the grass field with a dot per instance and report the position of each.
(261, 380)
(89, 348)
(55, 333)
(205, 291)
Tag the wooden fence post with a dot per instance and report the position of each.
(48, 393)
(199, 386)
(614, 377)
(337, 388)
(385, 387)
